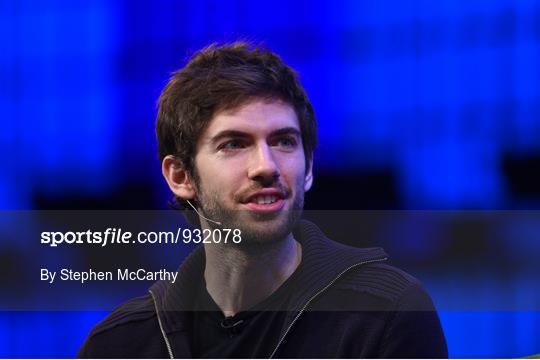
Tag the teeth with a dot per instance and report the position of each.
(265, 199)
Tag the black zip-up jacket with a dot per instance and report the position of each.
(350, 304)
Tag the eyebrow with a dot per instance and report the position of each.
(225, 134)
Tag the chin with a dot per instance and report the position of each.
(260, 238)
(266, 229)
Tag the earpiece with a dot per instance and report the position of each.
(215, 222)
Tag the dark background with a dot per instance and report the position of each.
(422, 105)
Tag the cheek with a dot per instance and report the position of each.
(223, 177)
(294, 168)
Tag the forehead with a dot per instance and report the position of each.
(256, 117)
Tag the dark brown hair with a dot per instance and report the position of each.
(221, 78)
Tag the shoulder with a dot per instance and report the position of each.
(409, 320)
(396, 288)
(132, 311)
(136, 318)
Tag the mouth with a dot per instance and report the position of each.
(266, 201)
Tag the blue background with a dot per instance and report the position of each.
(420, 104)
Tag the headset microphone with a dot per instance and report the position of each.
(205, 218)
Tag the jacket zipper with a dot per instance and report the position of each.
(316, 295)
(167, 343)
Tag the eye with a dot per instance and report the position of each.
(231, 145)
(287, 142)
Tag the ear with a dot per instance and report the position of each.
(177, 178)
(309, 176)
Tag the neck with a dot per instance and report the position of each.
(239, 278)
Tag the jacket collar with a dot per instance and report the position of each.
(323, 261)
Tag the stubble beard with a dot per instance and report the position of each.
(257, 230)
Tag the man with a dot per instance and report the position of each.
(236, 134)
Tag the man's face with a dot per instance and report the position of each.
(251, 170)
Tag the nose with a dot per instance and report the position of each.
(263, 167)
